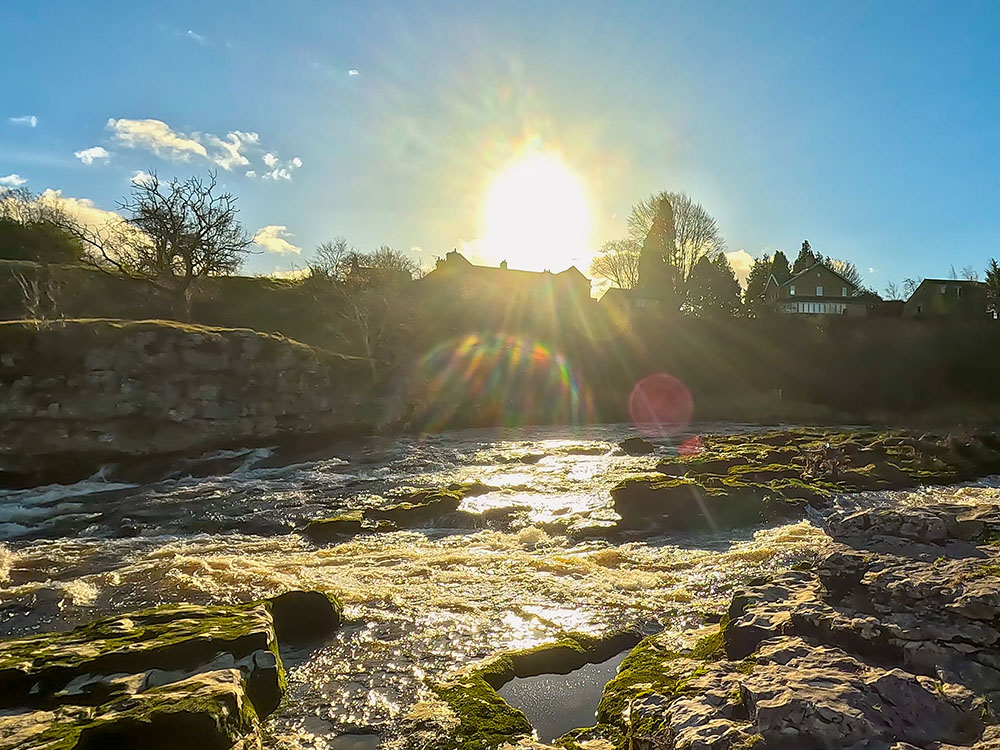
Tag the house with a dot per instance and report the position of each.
(817, 290)
(456, 275)
(948, 298)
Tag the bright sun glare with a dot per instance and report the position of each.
(537, 215)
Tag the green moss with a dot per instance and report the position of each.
(575, 739)
(485, 719)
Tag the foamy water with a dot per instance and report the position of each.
(420, 602)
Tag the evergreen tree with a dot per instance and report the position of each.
(806, 258)
(713, 289)
(760, 272)
(780, 268)
(727, 287)
(993, 287)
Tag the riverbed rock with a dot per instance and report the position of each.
(740, 480)
(175, 676)
(636, 446)
(891, 642)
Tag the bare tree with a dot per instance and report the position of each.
(618, 262)
(172, 234)
(696, 233)
(969, 273)
(365, 296)
(910, 285)
(892, 290)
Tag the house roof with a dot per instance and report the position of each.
(804, 271)
(949, 281)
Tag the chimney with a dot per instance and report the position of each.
(503, 265)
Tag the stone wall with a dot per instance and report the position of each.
(119, 388)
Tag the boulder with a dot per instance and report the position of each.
(636, 446)
(303, 616)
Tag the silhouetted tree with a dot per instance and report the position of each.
(805, 259)
(695, 232)
(910, 285)
(618, 263)
(892, 290)
(31, 229)
(713, 289)
(753, 297)
(993, 287)
(969, 273)
(172, 234)
(780, 268)
(365, 296)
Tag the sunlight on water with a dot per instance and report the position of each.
(420, 602)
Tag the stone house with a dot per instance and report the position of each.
(948, 298)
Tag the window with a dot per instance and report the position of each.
(843, 291)
(791, 290)
(944, 289)
(819, 290)
(959, 290)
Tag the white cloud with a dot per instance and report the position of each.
(92, 154)
(741, 261)
(279, 171)
(82, 210)
(353, 72)
(30, 120)
(288, 273)
(872, 270)
(156, 136)
(229, 152)
(273, 239)
(139, 177)
(12, 180)
(196, 37)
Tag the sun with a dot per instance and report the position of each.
(537, 215)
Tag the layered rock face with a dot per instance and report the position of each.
(174, 676)
(891, 642)
(118, 388)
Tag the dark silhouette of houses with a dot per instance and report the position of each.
(948, 298)
(817, 290)
(456, 275)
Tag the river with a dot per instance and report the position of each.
(221, 529)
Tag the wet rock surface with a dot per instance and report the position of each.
(890, 642)
(172, 676)
(727, 481)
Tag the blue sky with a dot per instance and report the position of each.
(868, 128)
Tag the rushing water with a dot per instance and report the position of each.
(222, 529)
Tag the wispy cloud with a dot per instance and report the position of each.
(196, 37)
(273, 238)
(156, 136)
(228, 152)
(30, 120)
(141, 177)
(92, 154)
(231, 152)
(12, 180)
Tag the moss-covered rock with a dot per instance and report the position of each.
(738, 480)
(405, 509)
(485, 720)
(209, 710)
(172, 676)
